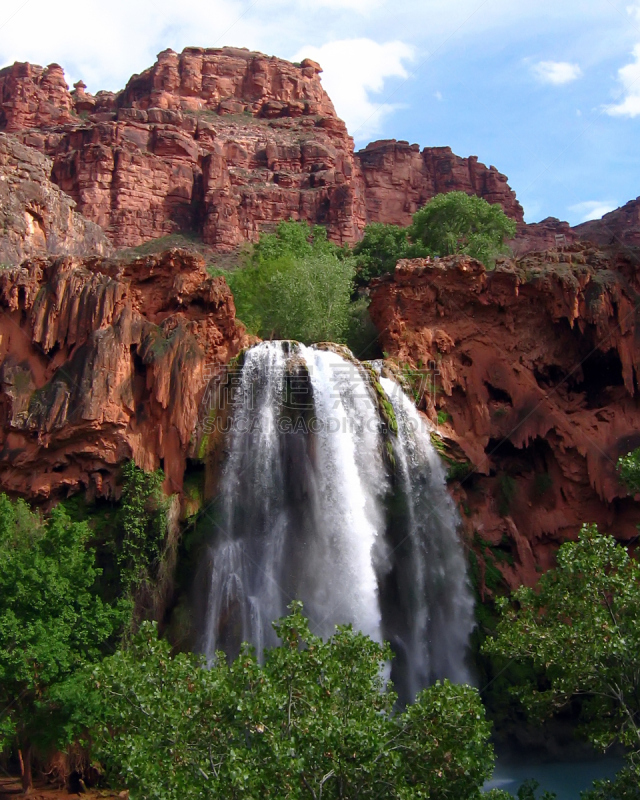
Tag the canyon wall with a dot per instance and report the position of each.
(102, 361)
(399, 179)
(620, 227)
(225, 143)
(36, 217)
(535, 369)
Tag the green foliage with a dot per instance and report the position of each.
(380, 249)
(51, 620)
(460, 223)
(296, 285)
(314, 721)
(362, 334)
(629, 470)
(142, 523)
(626, 785)
(443, 417)
(581, 628)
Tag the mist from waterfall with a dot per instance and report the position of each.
(314, 507)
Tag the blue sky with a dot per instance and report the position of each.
(548, 91)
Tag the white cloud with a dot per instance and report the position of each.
(629, 77)
(556, 72)
(353, 70)
(593, 209)
(362, 6)
(438, 95)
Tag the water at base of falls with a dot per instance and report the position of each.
(314, 507)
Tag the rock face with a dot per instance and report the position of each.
(619, 227)
(219, 141)
(101, 361)
(36, 218)
(225, 142)
(537, 366)
(399, 179)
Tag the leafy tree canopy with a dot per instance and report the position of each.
(296, 285)
(460, 223)
(629, 470)
(581, 626)
(380, 249)
(51, 620)
(449, 223)
(315, 721)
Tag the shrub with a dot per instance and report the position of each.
(52, 621)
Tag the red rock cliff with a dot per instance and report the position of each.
(101, 361)
(220, 141)
(36, 217)
(225, 142)
(537, 365)
(399, 179)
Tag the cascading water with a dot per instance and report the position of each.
(312, 509)
(431, 604)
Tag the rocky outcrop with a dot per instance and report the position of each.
(399, 179)
(619, 228)
(36, 218)
(33, 97)
(535, 366)
(101, 361)
(223, 142)
(549, 234)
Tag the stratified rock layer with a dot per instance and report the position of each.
(226, 143)
(36, 218)
(399, 179)
(219, 141)
(537, 365)
(102, 361)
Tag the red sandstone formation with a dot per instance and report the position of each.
(550, 234)
(36, 218)
(225, 142)
(33, 97)
(399, 179)
(101, 361)
(620, 227)
(537, 365)
(219, 141)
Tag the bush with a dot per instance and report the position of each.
(380, 249)
(142, 524)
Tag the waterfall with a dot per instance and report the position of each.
(432, 602)
(313, 508)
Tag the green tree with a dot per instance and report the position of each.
(581, 627)
(51, 621)
(295, 285)
(380, 249)
(315, 721)
(460, 223)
